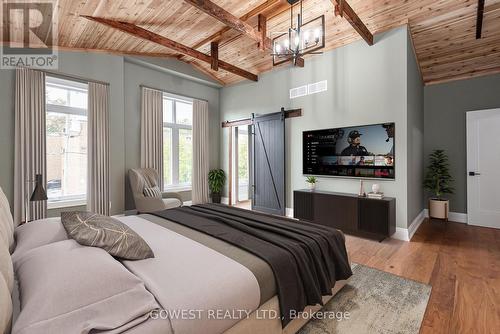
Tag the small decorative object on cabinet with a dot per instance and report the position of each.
(376, 188)
(311, 181)
(216, 180)
(361, 189)
(438, 182)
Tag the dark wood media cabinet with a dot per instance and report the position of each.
(360, 216)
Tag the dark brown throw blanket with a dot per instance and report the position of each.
(307, 259)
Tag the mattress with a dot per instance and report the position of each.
(261, 270)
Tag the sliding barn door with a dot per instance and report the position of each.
(268, 163)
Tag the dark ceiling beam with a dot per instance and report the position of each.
(145, 34)
(345, 10)
(480, 16)
(262, 27)
(230, 20)
(214, 53)
(217, 36)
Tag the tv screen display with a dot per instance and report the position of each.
(359, 151)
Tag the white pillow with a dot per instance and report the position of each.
(38, 233)
(69, 288)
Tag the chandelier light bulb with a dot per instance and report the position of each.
(306, 36)
(286, 43)
(277, 48)
(317, 34)
(297, 40)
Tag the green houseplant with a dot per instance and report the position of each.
(311, 181)
(438, 182)
(216, 180)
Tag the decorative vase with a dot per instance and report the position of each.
(439, 208)
(312, 186)
(361, 189)
(216, 198)
(376, 188)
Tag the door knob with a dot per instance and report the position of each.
(474, 174)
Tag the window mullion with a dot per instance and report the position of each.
(175, 146)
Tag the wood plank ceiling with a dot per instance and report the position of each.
(443, 31)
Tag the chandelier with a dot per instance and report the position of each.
(301, 38)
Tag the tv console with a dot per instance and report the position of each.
(352, 214)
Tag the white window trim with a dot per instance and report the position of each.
(175, 144)
(64, 202)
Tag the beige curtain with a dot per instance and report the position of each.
(201, 153)
(98, 149)
(152, 131)
(29, 144)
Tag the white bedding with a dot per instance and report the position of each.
(186, 275)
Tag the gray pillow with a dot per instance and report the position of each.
(152, 192)
(92, 229)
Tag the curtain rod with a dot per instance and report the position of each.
(74, 77)
(167, 92)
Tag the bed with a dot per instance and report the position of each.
(204, 278)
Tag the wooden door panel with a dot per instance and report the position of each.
(269, 163)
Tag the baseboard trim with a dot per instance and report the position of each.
(456, 217)
(415, 224)
(401, 234)
(406, 234)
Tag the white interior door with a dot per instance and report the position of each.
(483, 168)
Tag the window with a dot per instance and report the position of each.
(66, 128)
(177, 142)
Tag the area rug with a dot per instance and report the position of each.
(373, 302)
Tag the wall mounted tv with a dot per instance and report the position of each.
(359, 151)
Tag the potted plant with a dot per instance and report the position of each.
(311, 181)
(216, 180)
(438, 182)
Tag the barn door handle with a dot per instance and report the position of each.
(474, 174)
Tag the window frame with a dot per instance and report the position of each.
(175, 127)
(69, 85)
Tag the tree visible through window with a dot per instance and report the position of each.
(177, 142)
(66, 140)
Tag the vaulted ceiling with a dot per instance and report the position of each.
(443, 31)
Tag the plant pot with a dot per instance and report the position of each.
(439, 208)
(216, 198)
(312, 186)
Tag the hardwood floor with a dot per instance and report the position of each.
(460, 262)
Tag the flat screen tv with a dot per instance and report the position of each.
(359, 151)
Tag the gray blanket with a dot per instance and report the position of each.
(306, 259)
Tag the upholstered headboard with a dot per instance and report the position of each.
(6, 268)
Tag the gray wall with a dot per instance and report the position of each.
(124, 79)
(7, 88)
(365, 85)
(91, 66)
(136, 75)
(445, 108)
(415, 136)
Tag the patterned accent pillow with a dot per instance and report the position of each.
(152, 192)
(95, 230)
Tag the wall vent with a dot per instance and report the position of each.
(298, 92)
(317, 87)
